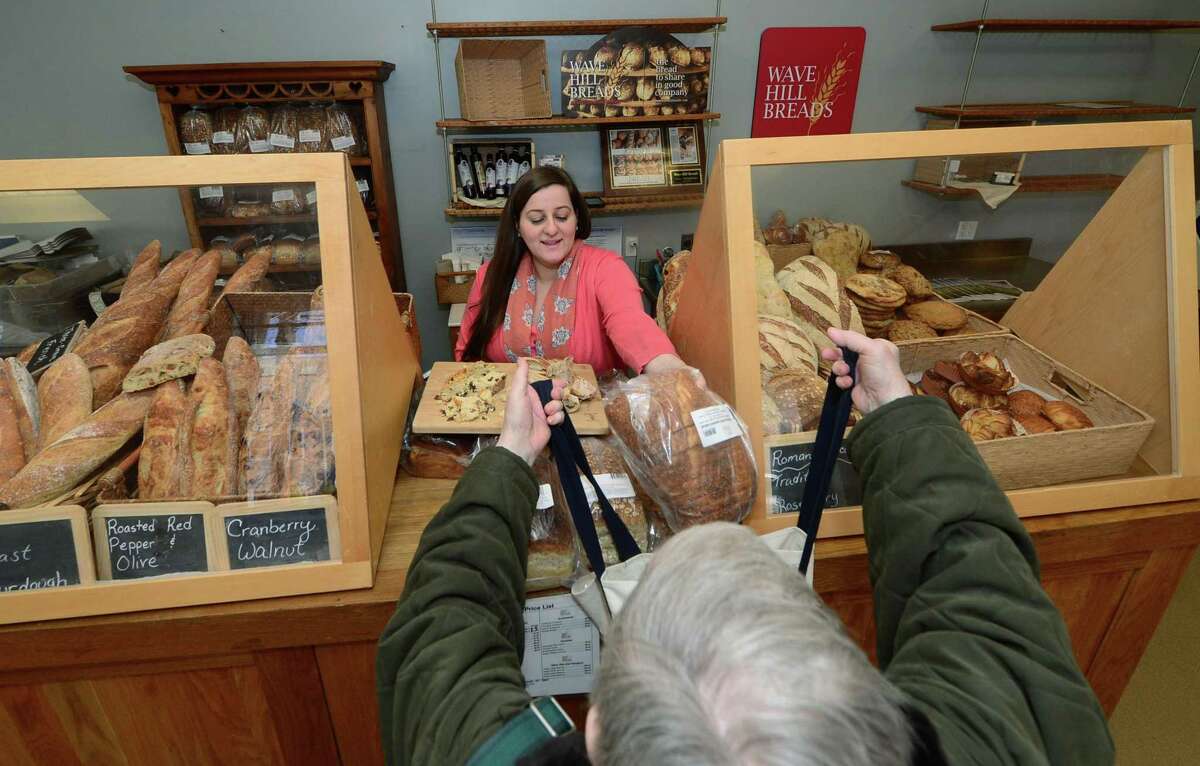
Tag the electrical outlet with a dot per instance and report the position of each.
(966, 229)
(631, 249)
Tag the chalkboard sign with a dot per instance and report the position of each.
(131, 544)
(50, 349)
(787, 472)
(292, 536)
(38, 553)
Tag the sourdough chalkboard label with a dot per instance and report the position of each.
(154, 544)
(278, 537)
(787, 472)
(38, 554)
(50, 349)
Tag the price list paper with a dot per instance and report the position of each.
(562, 647)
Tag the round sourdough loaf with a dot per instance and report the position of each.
(652, 417)
(782, 343)
(818, 300)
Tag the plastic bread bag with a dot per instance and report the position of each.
(604, 458)
(434, 456)
(688, 449)
(553, 554)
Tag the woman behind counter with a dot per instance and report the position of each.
(547, 293)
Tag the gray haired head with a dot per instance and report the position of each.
(724, 655)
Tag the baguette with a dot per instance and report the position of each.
(309, 466)
(65, 397)
(162, 437)
(79, 452)
(177, 270)
(24, 391)
(208, 443)
(12, 446)
(25, 356)
(242, 370)
(144, 269)
(249, 277)
(189, 314)
(261, 461)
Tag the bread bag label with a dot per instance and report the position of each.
(311, 197)
(715, 424)
(362, 184)
(222, 137)
(258, 146)
(308, 136)
(545, 497)
(200, 147)
(282, 141)
(283, 195)
(340, 143)
(211, 192)
(615, 486)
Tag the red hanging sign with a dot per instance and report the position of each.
(807, 80)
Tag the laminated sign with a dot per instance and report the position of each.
(807, 80)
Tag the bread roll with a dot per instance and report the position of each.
(189, 314)
(164, 436)
(144, 269)
(250, 276)
(207, 466)
(169, 360)
(79, 452)
(242, 372)
(64, 396)
(25, 397)
(12, 445)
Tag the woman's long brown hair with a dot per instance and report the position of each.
(510, 248)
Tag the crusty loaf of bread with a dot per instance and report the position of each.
(171, 359)
(552, 553)
(163, 436)
(309, 467)
(652, 418)
(29, 418)
(673, 275)
(79, 452)
(250, 276)
(818, 300)
(65, 397)
(144, 269)
(189, 314)
(210, 421)
(12, 445)
(242, 372)
(265, 443)
(177, 270)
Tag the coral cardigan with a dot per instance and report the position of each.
(611, 328)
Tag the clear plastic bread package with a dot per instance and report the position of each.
(604, 458)
(688, 449)
(553, 555)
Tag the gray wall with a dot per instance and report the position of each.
(68, 97)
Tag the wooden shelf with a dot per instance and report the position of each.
(1051, 109)
(281, 71)
(279, 268)
(264, 220)
(1098, 182)
(583, 27)
(1069, 25)
(559, 121)
(360, 162)
(612, 205)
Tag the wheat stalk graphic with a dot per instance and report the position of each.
(830, 89)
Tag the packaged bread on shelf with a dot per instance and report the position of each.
(604, 458)
(686, 446)
(553, 557)
(195, 131)
(224, 135)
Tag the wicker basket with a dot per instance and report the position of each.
(782, 255)
(502, 79)
(1108, 449)
(453, 286)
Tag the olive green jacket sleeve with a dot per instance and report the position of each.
(964, 627)
(448, 669)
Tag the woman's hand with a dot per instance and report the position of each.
(668, 362)
(526, 429)
(880, 379)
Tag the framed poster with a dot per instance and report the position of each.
(657, 159)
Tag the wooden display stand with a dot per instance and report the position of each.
(372, 368)
(1138, 254)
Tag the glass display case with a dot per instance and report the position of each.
(1059, 326)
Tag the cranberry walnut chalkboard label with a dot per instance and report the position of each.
(42, 549)
(277, 532)
(153, 539)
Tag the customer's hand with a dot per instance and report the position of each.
(668, 362)
(879, 377)
(526, 429)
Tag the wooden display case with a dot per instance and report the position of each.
(372, 368)
(1137, 253)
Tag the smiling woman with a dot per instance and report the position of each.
(547, 293)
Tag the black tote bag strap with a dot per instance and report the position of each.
(835, 413)
(569, 460)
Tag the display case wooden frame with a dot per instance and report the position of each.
(371, 362)
(1139, 251)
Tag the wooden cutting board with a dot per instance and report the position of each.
(589, 420)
